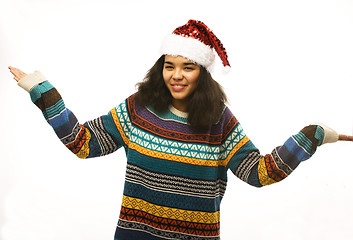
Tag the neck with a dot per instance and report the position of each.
(181, 105)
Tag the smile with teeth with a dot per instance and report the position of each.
(178, 87)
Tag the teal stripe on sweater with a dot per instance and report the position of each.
(55, 109)
(320, 135)
(304, 141)
(38, 90)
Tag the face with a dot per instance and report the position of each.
(181, 77)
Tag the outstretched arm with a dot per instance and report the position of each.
(246, 162)
(91, 139)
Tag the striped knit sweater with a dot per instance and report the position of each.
(175, 177)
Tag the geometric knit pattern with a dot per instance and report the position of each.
(175, 177)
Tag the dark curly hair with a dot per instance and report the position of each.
(206, 102)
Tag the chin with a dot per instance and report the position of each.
(179, 97)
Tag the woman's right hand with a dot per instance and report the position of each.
(18, 74)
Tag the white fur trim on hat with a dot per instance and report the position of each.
(189, 48)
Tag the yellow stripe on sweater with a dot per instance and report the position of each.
(263, 174)
(118, 126)
(84, 151)
(188, 160)
(171, 213)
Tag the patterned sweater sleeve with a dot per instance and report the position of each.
(91, 139)
(246, 162)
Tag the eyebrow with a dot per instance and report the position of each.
(186, 64)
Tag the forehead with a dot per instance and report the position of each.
(178, 59)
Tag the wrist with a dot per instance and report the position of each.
(331, 135)
(31, 80)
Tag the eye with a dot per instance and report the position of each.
(189, 68)
(168, 67)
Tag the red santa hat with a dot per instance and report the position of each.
(195, 41)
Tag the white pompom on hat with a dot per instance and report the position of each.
(195, 41)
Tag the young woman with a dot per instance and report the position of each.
(180, 141)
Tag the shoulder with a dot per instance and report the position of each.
(128, 104)
(226, 115)
(228, 122)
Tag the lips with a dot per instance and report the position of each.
(178, 87)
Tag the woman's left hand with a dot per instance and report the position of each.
(342, 137)
(18, 74)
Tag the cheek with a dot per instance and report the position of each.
(193, 78)
(166, 76)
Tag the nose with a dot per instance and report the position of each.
(178, 75)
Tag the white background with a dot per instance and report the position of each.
(291, 66)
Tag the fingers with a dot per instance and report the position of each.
(345, 138)
(18, 74)
(13, 71)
